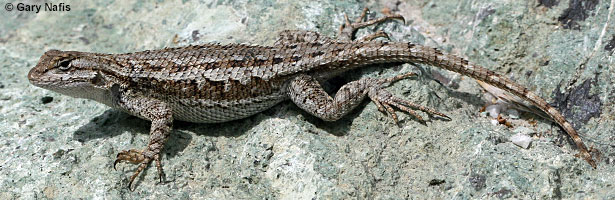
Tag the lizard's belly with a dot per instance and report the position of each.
(214, 111)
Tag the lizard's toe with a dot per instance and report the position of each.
(385, 101)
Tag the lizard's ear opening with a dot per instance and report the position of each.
(98, 80)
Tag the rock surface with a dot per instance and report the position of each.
(54, 146)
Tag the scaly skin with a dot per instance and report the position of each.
(213, 83)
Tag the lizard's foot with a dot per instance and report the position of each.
(349, 29)
(385, 101)
(139, 157)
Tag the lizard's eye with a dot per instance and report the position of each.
(64, 64)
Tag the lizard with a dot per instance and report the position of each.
(212, 83)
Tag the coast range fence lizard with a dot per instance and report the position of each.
(213, 83)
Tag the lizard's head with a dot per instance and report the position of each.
(68, 72)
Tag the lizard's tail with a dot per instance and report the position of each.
(378, 52)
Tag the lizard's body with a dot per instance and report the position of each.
(215, 83)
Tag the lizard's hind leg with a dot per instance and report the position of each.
(349, 29)
(307, 93)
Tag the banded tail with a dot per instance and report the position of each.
(379, 52)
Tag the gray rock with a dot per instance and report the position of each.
(65, 149)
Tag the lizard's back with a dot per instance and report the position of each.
(209, 83)
(216, 83)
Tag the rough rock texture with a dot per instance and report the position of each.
(53, 146)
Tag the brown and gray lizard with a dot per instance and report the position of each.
(213, 83)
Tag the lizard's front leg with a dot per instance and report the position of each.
(161, 116)
(307, 93)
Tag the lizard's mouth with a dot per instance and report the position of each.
(54, 80)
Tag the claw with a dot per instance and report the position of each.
(399, 17)
(130, 186)
(115, 163)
